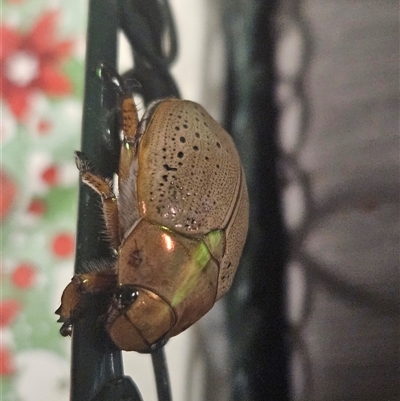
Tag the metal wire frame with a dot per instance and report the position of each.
(97, 369)
(256, 320)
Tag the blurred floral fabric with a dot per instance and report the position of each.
(42, 62)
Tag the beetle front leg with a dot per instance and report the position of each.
(127, 169)
(127, 172)
(129, 120)
(74, 296)
(130, 123)
(109, 201)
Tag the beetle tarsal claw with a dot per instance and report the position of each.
(81, 161)
(61, 319)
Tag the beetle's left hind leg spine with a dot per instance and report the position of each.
(109, 201)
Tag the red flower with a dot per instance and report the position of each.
(50, 175)
(24, 275)
(31, 62)
(63, 245)
(9, 308)
(8, 192)
(6, 362)
(37, 207)
(43, 127)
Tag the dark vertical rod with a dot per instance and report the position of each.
(161, 375)
(95, 360)
(256, 319)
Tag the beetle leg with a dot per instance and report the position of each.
(75, 295)
(109, 201)
(129, 119)
(127, 171)
(130, 123)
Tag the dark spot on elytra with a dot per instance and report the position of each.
(182, 139)
(180, 155)
(168, 168)
(196, 148)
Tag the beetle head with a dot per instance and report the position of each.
(138, 319)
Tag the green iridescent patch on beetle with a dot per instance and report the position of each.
(201, 257)
(215, 241)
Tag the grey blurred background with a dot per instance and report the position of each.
(342, 199)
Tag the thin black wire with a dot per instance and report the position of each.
(161, 375)
(149, 28)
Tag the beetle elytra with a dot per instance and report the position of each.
(178, 225)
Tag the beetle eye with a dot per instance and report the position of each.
(126, 295)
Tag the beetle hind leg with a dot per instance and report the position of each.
(109, 201)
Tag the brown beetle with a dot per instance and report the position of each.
(178, 224)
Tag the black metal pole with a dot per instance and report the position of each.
(95, 360)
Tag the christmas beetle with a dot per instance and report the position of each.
(178, 224)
